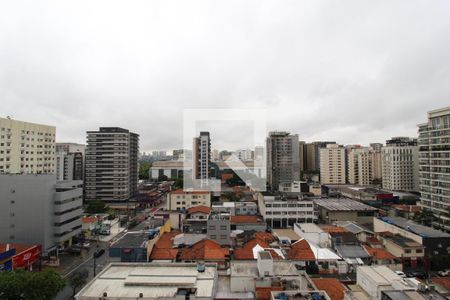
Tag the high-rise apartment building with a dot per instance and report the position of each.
(202, 156)
(332, 164)
(283, 164)
(312, 155)
(360, 166)
(377, 172)
(302, 155)
(434, 163)
(400, 164)
(26, 148)
(70, 161)
(111, 164)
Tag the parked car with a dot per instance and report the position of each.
(401, 274)
(99, 253)
(420, 274)
(444, 273)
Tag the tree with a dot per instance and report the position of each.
(77, 280)
(144, 168)
(96, 207)
(425, 217)
(178, 183)
(18, 285)
(230, 196)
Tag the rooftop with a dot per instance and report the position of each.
(414, 227)
(249, 268)
(182, 192)
(343, 204)
(199, 209)
(153, 280)
(301, 250)
(379, 253)
(163, 248)
(332, 286)
(286, 233)
(205, 250)
(400, 240)
(351, 251)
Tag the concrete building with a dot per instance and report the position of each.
(377, 168)
(69, 166)
(36, 209)
(280, 210)
(245, 154)
(360, 166)
(70, 148)
(282, 158)
(313, 234)
(183, 200)
(302, 156)
(219, 229)
(178, 154)
(434, 163)
(400, 164)
(332, 164)
(153, 281)
(202, 156)
(343, 209)
(111, 164)
(436, 242)
(312, 155)
(26, 148)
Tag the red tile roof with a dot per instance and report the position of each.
(180, 191)
(301, 250)
(264, 293)
(407, 208)
(89, 220)
(163, 248)
(330, 229)
(246, 252)
(378, 253)
(332, 286)
(205, 250)
(245, 219)
(200, 208)
(265, 236)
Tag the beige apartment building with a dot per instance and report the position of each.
(183, 200)
(400, 164)
(26, 148)
(332, 164)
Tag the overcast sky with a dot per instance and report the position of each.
(351, 71)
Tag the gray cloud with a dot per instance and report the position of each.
(351, 71)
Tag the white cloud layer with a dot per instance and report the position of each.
(351, 71)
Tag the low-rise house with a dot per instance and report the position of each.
(405, 211)
(435, 241)
(383, 257)
(301, 253)
(132, 247)
(313, 234)
(251, 248)
(411, 253)
(207, 251)
(164, 249)
(196, 219)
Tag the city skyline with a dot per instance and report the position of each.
(354, 73)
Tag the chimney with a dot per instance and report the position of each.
(265, 264)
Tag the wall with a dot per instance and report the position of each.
(31, 214)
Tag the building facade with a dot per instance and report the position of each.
(332, 164)
(280, 210)
(400, 164)
(36, 209)
(26, 148)
(434, 163)
(180, 200)
(111, 164)
(360, 166)
(202, 156)
(282, 158)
